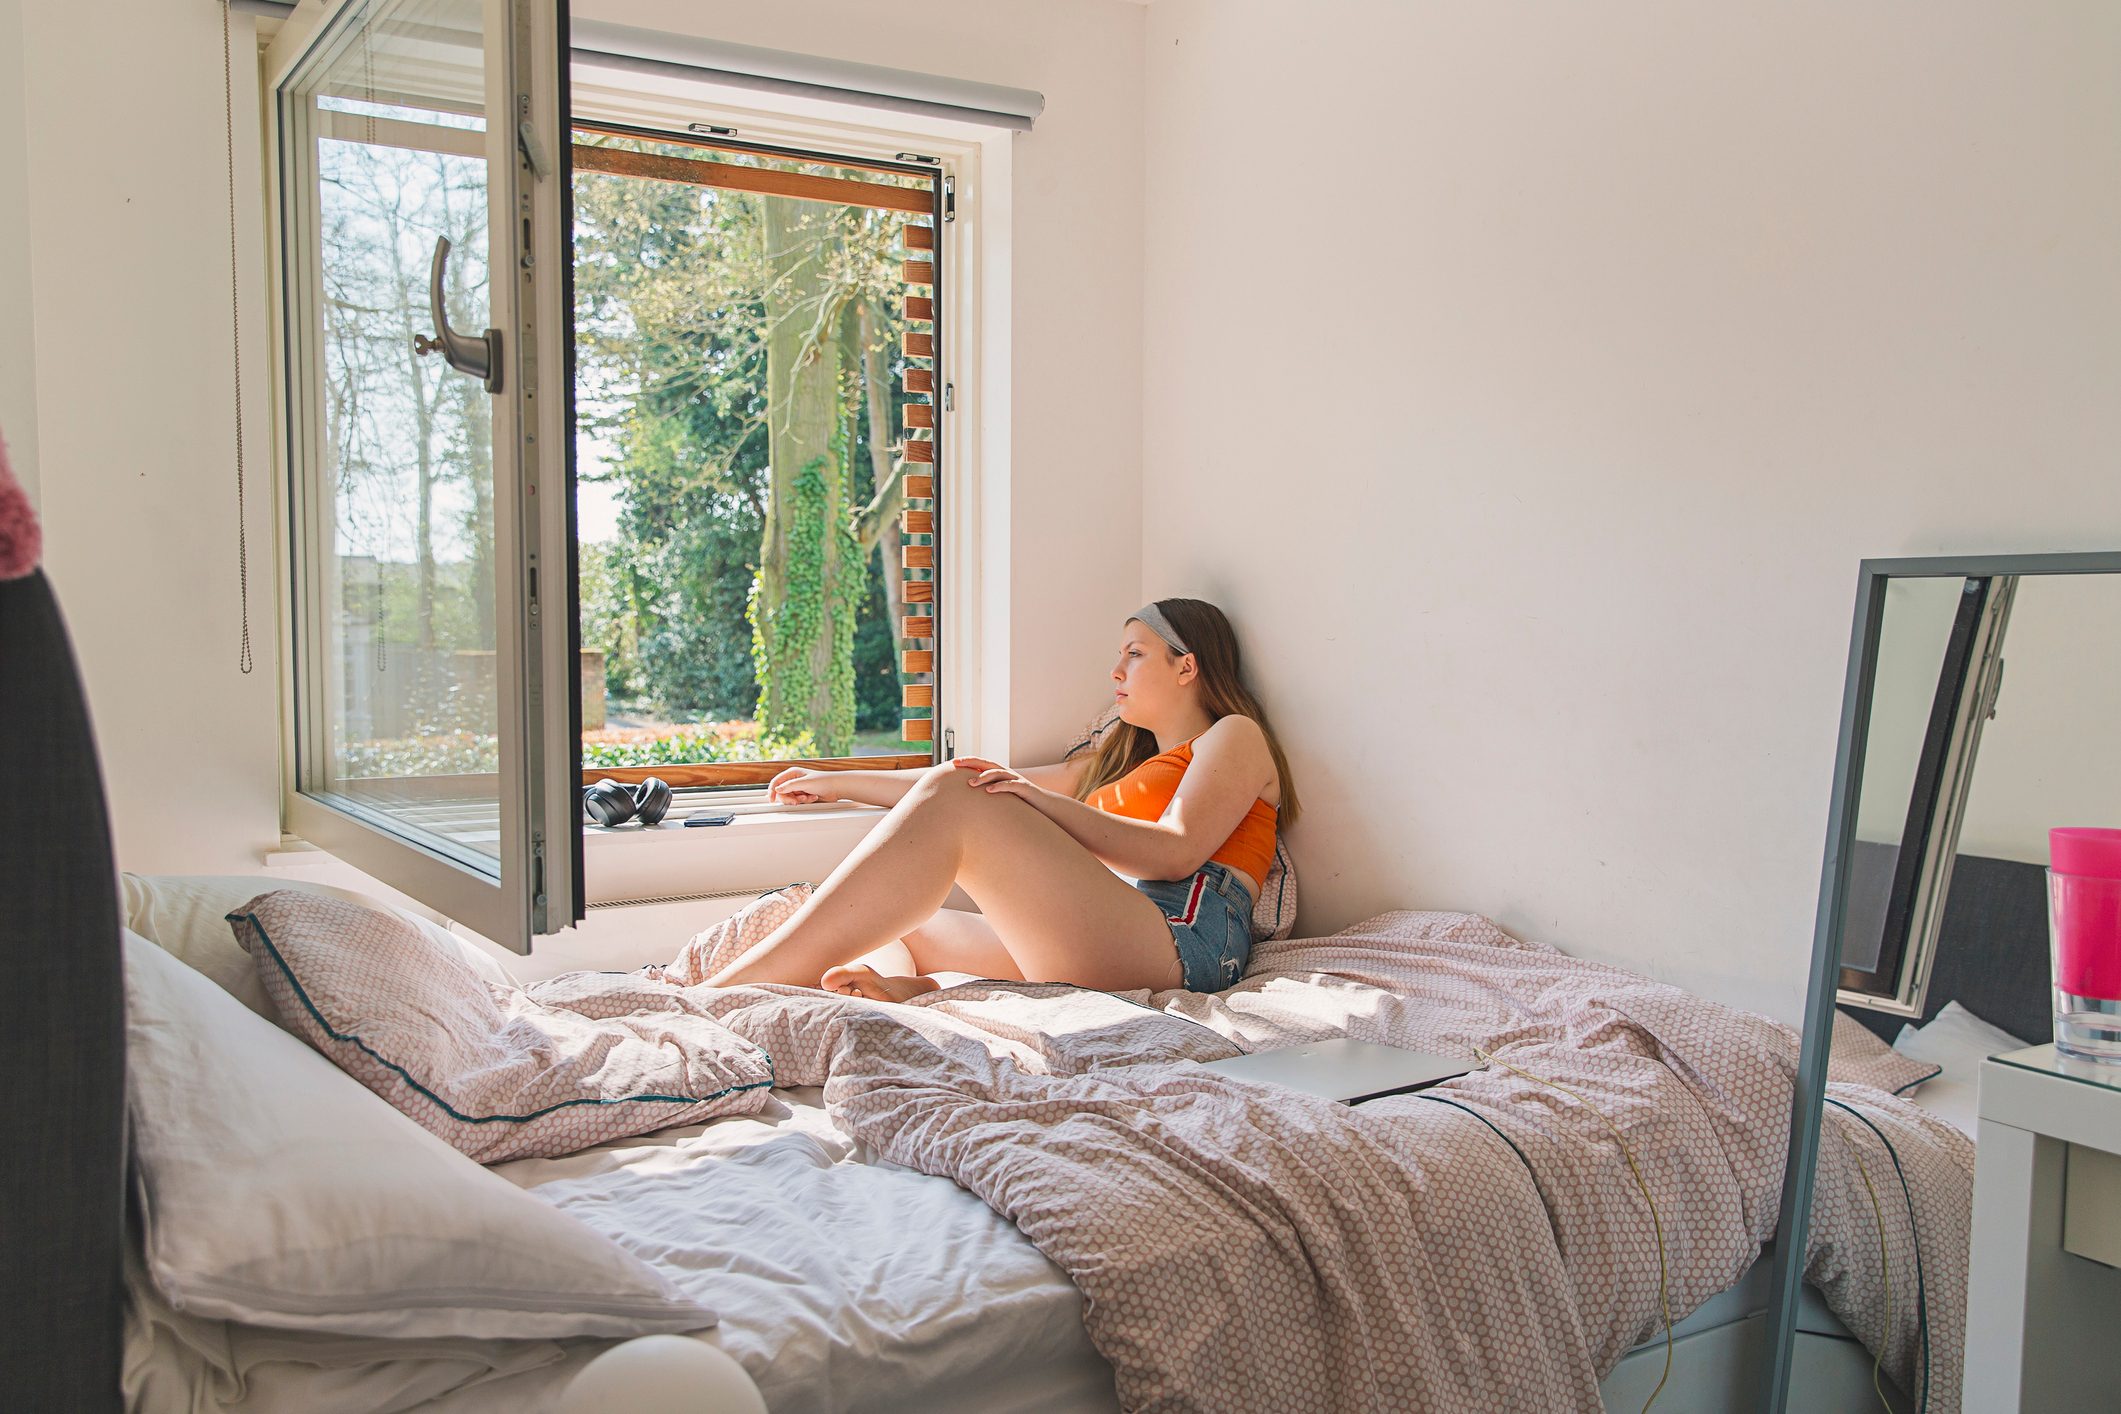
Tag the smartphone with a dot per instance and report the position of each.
(691, 820)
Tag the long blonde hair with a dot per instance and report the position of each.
(1117, 747)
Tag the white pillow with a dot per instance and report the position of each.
(1959, 1041)
(187, 914)
(274, 1190)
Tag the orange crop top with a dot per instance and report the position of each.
(1145, 792)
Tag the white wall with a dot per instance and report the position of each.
(127, 226)
(129, 247)
(18, 373)
(2052, 755)
(1913, 634)
(1529, 379)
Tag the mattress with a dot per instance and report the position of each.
(845, 1285)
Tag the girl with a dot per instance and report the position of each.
(1183, 792)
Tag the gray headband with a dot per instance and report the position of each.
(1153, 618)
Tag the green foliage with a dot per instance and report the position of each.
(471, 754)
(815, 606)
(677, 293)
(609, 618)
(698, 747)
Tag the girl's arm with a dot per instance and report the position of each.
(807, 785)
(1231, 768)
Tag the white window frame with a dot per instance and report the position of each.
(535, 894)
(769, 844)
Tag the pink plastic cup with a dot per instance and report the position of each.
(2084, 936)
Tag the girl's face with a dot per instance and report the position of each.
(1149, 682)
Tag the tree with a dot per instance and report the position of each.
(408, 441)
(739, 349)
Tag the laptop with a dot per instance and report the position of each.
(1346, 1070)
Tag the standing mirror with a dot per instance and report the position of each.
(1978, 716)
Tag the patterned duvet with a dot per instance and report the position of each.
(1479, 1246)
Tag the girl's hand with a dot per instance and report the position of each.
(995, 778)
(802, 785)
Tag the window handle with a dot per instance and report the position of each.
(478, 355)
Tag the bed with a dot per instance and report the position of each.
(828, 1306)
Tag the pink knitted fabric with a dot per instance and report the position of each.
(21, 543)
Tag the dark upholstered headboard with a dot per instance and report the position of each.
(1991, 951)
(62, 1028)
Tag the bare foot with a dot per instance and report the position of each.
(868, 982)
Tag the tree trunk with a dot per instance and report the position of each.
(877, 525)
(804, 601)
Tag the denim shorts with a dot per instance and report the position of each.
(1210, 914)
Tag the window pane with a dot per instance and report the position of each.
(407, 719)
(741, 357)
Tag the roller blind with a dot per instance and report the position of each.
(776, 71)
(613, 46)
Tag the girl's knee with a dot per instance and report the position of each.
(941, 785)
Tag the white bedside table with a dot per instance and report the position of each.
(2042, 1322)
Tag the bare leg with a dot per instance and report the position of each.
(952, 940)
(1059, 914)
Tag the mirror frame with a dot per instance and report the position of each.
(1964, 698)
(1793, 1221)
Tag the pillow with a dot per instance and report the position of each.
(274, 1190)
(188, 915)
(492, 1072)
(1857, 1057)
(1274, 911)
(1958, 1041)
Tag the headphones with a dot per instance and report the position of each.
(611, 803)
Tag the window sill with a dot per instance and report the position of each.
(761, 849)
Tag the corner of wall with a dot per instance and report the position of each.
(18, 344)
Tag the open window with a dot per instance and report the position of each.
(763, 559)
(423, 186)
(758, 339)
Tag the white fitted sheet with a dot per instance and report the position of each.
(845, 1286)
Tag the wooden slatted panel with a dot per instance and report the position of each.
(918, 486)
(839, 191)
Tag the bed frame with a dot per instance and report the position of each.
(62, 1027)
(62, 1037)
(1991, 953)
